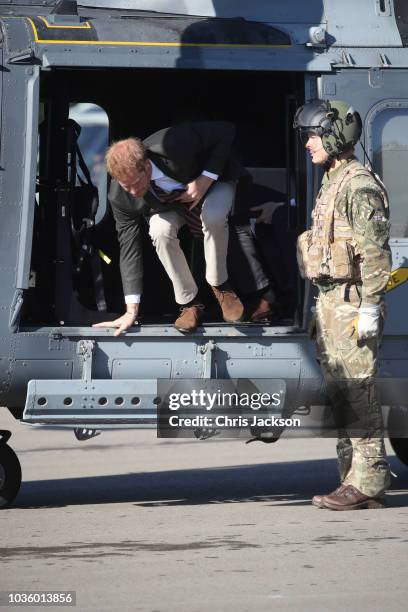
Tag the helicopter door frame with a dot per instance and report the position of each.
(313, 175)
(28, 193)
(379, 128)
(1, 95)
(372, 91)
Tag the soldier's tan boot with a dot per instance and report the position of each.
(350, 498)
(318, 500)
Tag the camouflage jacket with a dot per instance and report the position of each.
(364, 206)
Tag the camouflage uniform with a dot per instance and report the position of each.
(349, 365)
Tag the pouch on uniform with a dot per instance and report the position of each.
(341, 260)
(309, 256)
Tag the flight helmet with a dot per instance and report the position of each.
(337, 123)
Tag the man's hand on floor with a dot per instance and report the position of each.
(123, 323)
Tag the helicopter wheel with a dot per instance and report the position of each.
(10, 475)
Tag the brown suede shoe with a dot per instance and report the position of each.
(260, 311)
(231, 306)
(350, 498)
(318, 499)
(190, 317)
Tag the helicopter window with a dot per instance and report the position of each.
(93, 142)
(390, 156)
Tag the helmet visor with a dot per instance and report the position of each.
(306, 132)
(311, 119)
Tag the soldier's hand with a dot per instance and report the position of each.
(368, 323)
(123, 323)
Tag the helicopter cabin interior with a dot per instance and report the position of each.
(75, 277)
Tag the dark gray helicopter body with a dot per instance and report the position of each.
(145, 63)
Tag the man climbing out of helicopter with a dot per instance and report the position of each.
(184, 174)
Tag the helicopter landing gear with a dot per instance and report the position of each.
(84, 433)
(10, 471)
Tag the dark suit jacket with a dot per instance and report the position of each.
(181, 152)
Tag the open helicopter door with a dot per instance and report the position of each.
(295, 195)
(305, 184)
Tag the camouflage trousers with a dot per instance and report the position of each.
(349, 368)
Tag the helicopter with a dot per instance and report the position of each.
(140, 63)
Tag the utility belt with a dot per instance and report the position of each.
(347, 291)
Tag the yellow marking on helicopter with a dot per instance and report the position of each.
(34, 29)
(84, 26)
(398, 276)
(142, 43)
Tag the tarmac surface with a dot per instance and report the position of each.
(131, 522)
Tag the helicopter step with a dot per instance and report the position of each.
(92, 402)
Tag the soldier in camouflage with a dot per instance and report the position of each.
(347, 256)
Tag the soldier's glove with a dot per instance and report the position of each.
(368, 324)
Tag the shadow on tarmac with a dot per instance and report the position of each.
(286, 483)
